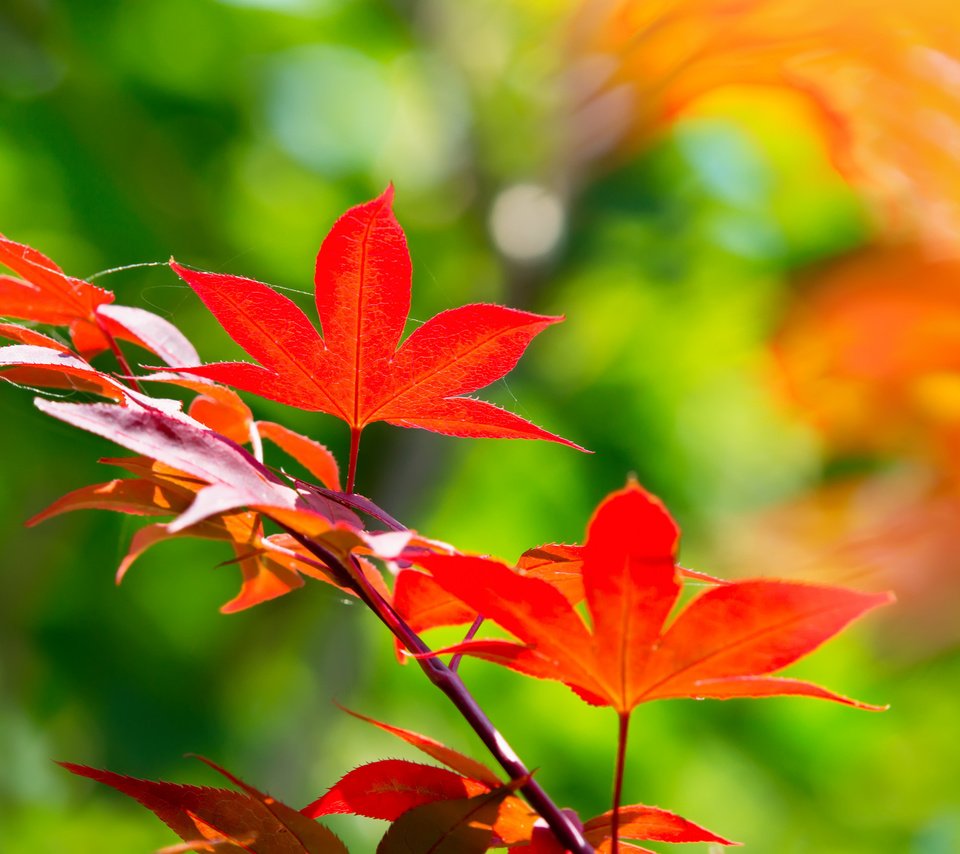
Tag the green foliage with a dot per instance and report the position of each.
(222, 129)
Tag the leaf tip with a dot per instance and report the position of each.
(387, 195)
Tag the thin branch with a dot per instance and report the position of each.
(456, 691)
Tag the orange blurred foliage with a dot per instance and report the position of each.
(883, 80)
(870, 353)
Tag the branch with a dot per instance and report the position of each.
(456, 691)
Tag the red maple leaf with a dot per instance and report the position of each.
(391, 788)
(271, 565)
(223, 820)
(46, 294)
(358, 371)
(724, 644)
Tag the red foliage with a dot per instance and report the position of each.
(722, 645)
(726, 642)
(234, 821)
(356, 371)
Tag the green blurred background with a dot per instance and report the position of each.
(232, 134)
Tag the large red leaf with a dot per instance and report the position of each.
(256, 822)
(228, 486)
(725, 643)
(356, 371)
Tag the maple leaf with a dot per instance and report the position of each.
(462, 826)
(723, 644)
(390, 788)
(271, 565)
(232, 477)
(356, 371)
(636, 821)
(424, 604)
(235, 821)
(46, 294)
(216, 490)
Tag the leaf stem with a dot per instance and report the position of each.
(624, 723)
(354, 453)
(471, 633)
(456, 691)
(118, 354)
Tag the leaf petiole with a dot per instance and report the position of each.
(623, 719)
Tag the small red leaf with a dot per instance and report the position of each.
(150, 331)
(652, 824)
(388, 788)
(315, 457)
(463, 826)
(451, 758)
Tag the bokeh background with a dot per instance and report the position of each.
(747, 212)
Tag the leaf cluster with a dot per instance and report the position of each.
(598, 617)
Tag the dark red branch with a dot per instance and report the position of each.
(456, 691)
